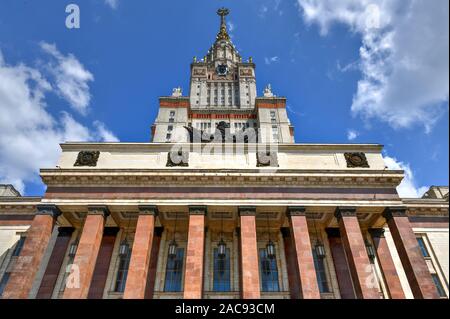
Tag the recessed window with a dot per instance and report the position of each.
(222, 277)
(171, 120)
(321, 275)
(170, 128)
(174, 272)
(168, 137)
(423, 247)
(269, 272)
(19, 246)
(3, 282)
(122, 272)
(438, 285)
(172, 113)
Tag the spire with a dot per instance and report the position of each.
(223, 33)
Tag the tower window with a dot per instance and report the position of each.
(170, 128)
(172, 113)
(168, 137)
(174, 272)
(171, 120)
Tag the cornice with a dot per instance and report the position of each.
(262, 177)
(137, 147)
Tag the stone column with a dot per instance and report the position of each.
(140, 256)
(55, 262)
(193, 276)
(27, 264)
(309, 287)
(355, 250)
(415, 266)
(87, 252)
(387, 265)
(251, 288)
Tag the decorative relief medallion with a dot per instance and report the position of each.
(246, 72)
(87, 158)
(267, 159)
(178, 159)
(199, 72)
(356, 160)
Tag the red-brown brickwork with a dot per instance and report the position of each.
(27, 264)
(271, 103)
(54, 264)
(174, 103)
(249, 255)
(387, 265)
(309, 287)
(140, 258)
(416, 269)
(86, 256)
(355, 249)
(340, 264)
(102, 265)
(193, 278)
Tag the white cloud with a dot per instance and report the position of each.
(408, 188)
(112, 3)
(404, 56)
(29, 134)
(271, 60)
(103, 134)
(352, 135)
(71, 78)
(263, 9)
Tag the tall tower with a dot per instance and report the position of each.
(222, 89)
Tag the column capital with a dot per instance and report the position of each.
(345, 212)
(376, 232)
(50, 210)
(148, 210)
(99, 210)
(391, 212)
(247, 211)
(296, 211)
(198, 210)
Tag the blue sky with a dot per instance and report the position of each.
(345, 79)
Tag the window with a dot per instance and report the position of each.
(319, 264)
(19, 246)
(174, 272)
(269, 272)
(171, 120)
(172, 113)
(170, 128)
(438, 284)
(423, 247)
(168, 136)
(122, 273)
(275, 133)
(222, 277)
(3, 282)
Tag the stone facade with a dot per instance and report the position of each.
(234, 219)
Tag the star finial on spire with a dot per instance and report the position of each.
(223, 33)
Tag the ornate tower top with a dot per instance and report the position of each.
(223, 33)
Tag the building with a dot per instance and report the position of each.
(223, 204)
